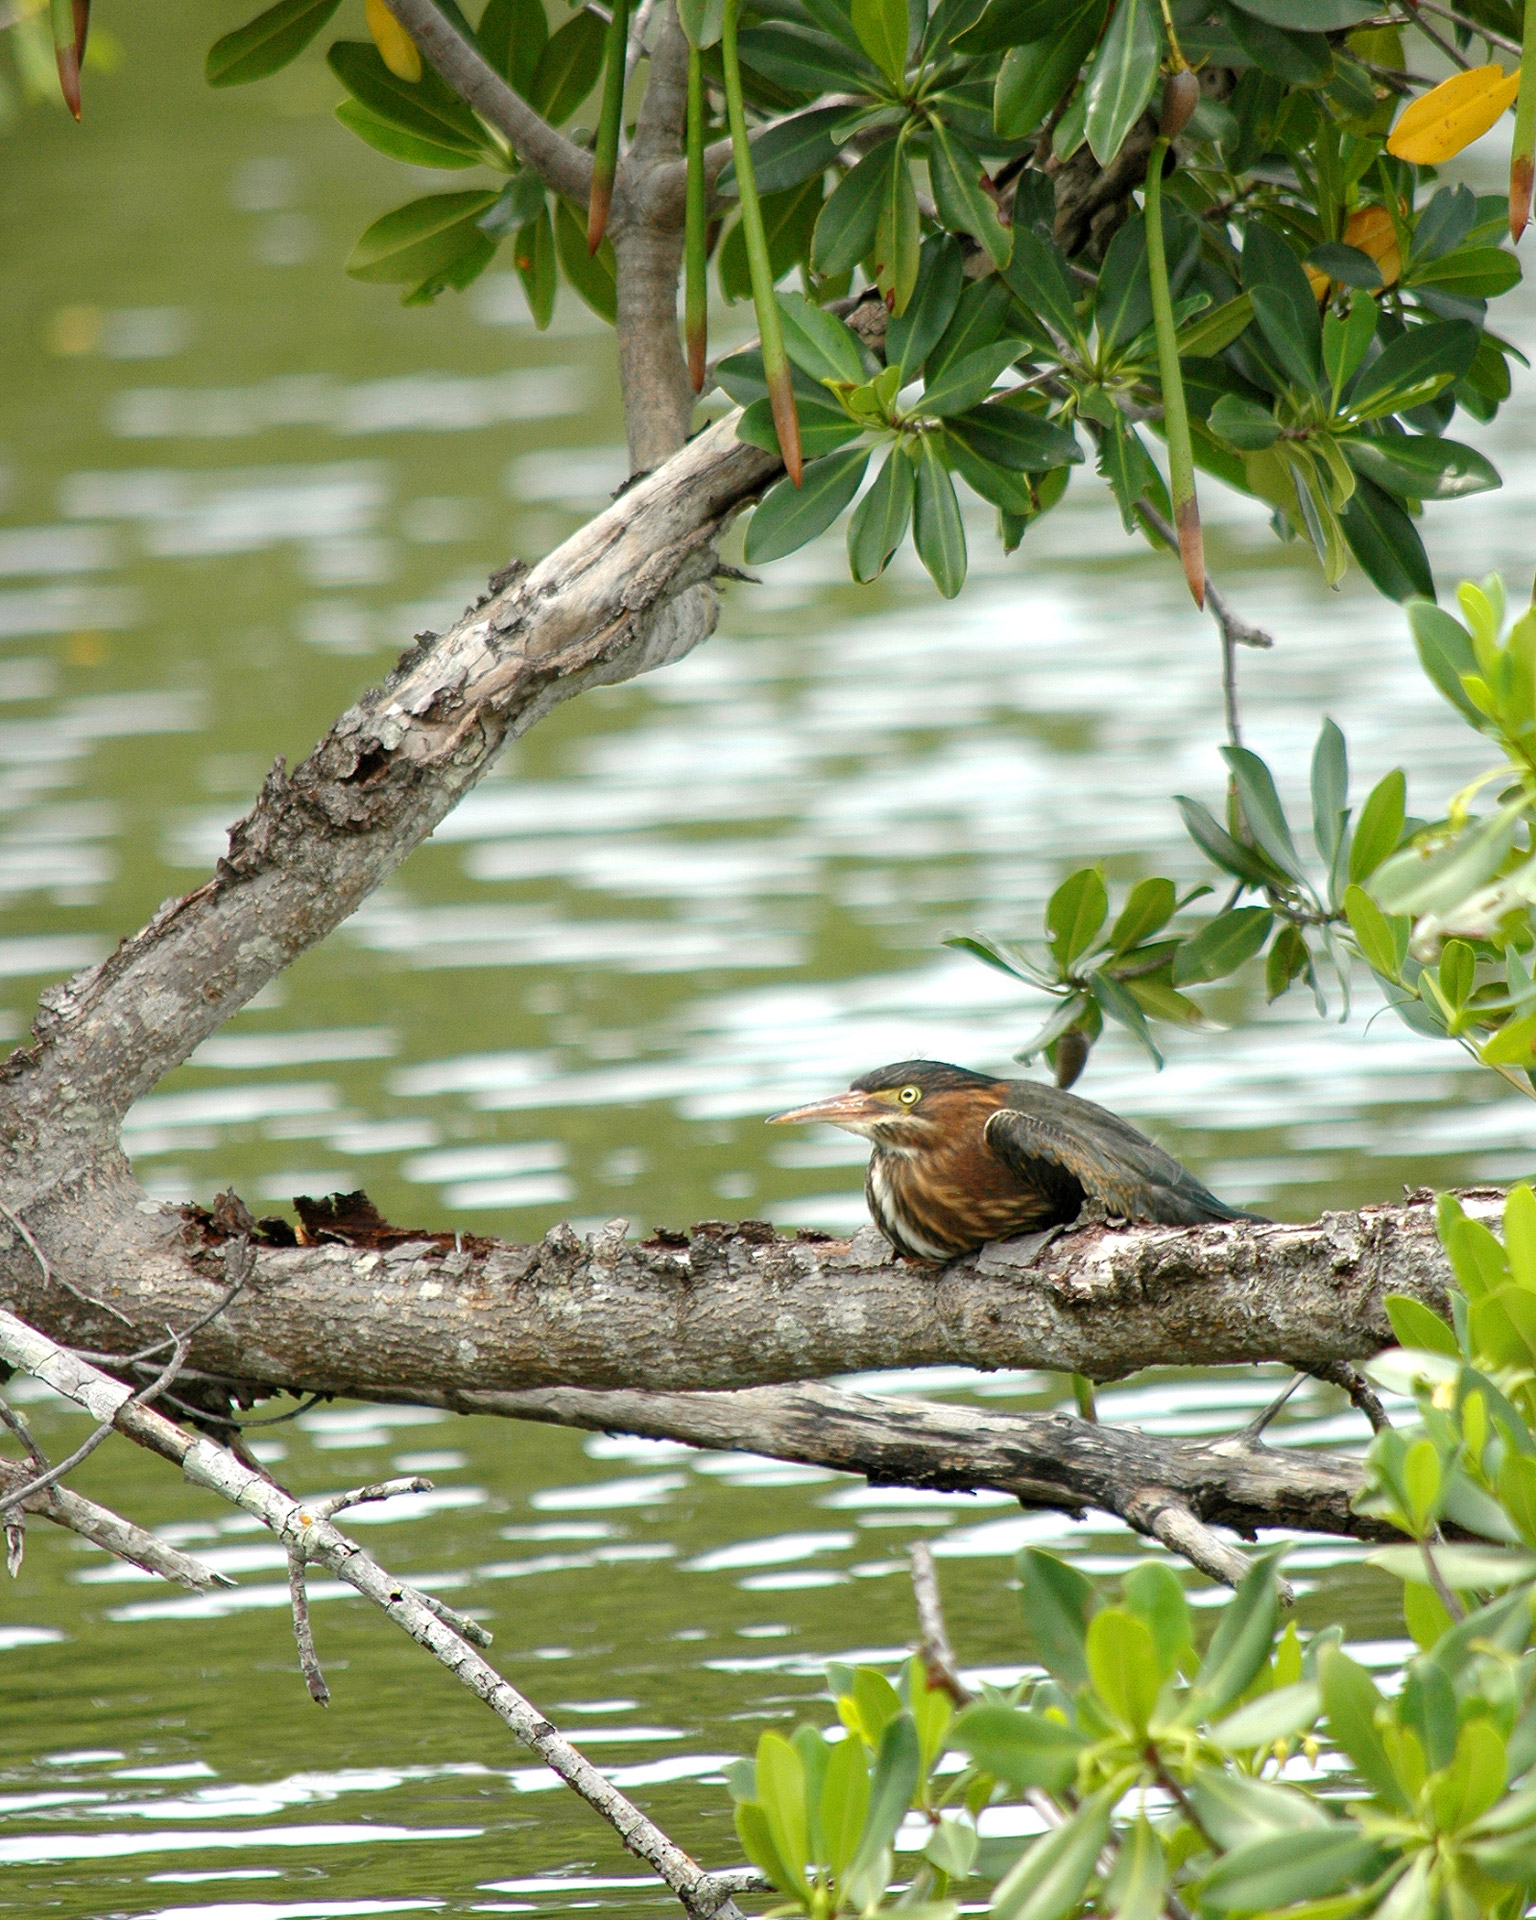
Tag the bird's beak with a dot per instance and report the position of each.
(838, 1110)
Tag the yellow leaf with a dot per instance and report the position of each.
(1371, 230)
(1452, 115)
(1319, 282)
(396, 47)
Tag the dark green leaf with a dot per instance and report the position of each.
(961, 384)
(960, 188)
(1289, 1867)
(1149, 907)
(1010, 23)
(1243, 423)
(1025, 1749)
(1310, 16)
(533, 254)
(421, 239)
(385, 137)
(1037, 273)
(1222, 945)
(267, 43)
(1056, 1600)
(985, 312)
(1414, 365)
(1013, 438)
(1245, 863)
(1122, 1006)
(1263, 811)
(1386, 543)
(821, 344)
(1348, 265)
(883, 27)
(1284, 305)
(512, 34)
(1299, 59)
(880, 521)
(804, 62)
(1123, 76)
(567, 72)
(822, 429)
(1241, 1642)
(1014, 493)
(1214, 329)
(1380, 825)
(1330, 790)
(591, 274)
(424, 107)
(789, 218)
(845, 228)
(1033, 77)
(1074, 914)
(937, 532)
(898, 237)
(1127, 466)
(1420, 467)
(911, 336)
(1123, 305)
(1475, 273)
(1289, 959)
(898, 1767)
(520, 202)
(786, 154)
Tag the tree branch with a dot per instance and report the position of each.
(104, 1528)
(311, 1538)
(558, 161)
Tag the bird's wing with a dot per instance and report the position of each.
(1125, 1172)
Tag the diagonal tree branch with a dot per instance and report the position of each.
(558, 161)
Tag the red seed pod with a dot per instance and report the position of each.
(1181, 95)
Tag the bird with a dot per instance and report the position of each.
(961, 1158)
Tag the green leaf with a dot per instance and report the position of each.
(1035, 75)
(1413, 368)
(1222, 945)
(1420, 467)
(267, 43)
(880, 521)
(883, 27)
(1288, 959)
(1351, 1702)
(1347, 265)
(421, 239)
(1279, 1715)
(1155, 1594)
(1241, 1642)
(1123, 76)
(953, 1847)
(844, 1804)
(1149, 907)
(1309, 16)
(1213, 840)
(781, 1795)
(985, 312)
(1382, 941)
(793, 150)
(512, 34)
(1416, 1326)
(898, 237)
(965, 206)
(1299, 59)
(1122, 1005)
(1074, 914)
(821, 344)
(787, 516)
(1330, 790)
(1414, 882)
(937, 532)
(1056, 1599)
(1037, 273)
(1214, 329)
(1025, 1749)
(845, 227)
(1475, 273)
(1123, 1666)
(424, 107)
(701, 21)
(593, 275)
(567, 72)
(1345, 342)
(898, 1768)
(961, 384)
(1520, 1235)
(1289, 1867)
(518, 205)
(1243, 423)
(533, 254)
(789, 219)
(911, 336)
(1380, 825)
(1466, 1568)
(1283, 305)
(1263, 811)
(756, 1838)
(1138, 1888)
(1445, 652)
(1126, 465)
(1049, 1879)
(1385, 542)
(1010, 437)
(387, 138)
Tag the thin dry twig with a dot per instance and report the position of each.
(207, 1464)
(1339, 1373)
(113, 1534)
(1476, 27)
(1452, 53)
(1235, 631)
(938, 1656)
(303, 1632)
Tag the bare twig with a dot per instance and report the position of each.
(206, 1464)
(1443, 1591)
(1253, 1433)
(1475, 27)
(1339, 1373)
(110, 1531)
(1171, 1521)
(1235, 631)
(938, 1656)
(1453, 54)
(558, 161)
(303, 1632)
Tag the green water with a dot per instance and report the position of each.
(232, 485)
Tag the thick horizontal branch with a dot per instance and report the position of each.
(558, 161)
(739, 1307)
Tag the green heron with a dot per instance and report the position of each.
(962, 1158)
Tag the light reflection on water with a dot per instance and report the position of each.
(677, 907)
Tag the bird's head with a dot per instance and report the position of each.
(912, 1105)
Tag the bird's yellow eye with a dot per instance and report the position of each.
(909, 1096)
